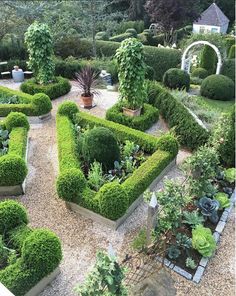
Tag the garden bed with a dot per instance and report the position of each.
(113, 199)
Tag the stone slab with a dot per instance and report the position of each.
(198, 274)
(182, 272)
(220, 227)
(204, 261)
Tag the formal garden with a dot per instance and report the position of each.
(117, 151)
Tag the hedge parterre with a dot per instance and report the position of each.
(113, 199)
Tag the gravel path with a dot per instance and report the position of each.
(81, 237)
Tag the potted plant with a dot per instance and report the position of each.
(131, 73)
(87, 80)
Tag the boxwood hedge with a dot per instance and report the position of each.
(36, 105)
(108, 201)
(13, 168)
(40, 250)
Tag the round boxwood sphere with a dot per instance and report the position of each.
(41, 250)
(12, 214)
(16, 119)
(101, 145)
(218, 87)
(68, 108)
(177, 79)
(200, 73)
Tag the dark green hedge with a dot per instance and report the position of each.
(36, 105)
(228, 68)
(109, 201)
(190, 133)
(40, 251)
(120, 37)
(54, 90)
(149, 115)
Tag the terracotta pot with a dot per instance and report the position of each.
(87, 101)
(130, 112)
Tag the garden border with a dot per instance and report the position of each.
(116, 224)
(196, 278)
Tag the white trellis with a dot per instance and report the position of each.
(219, 63)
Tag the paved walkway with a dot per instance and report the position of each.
(81, 237)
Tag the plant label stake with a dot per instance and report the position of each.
(152, 218)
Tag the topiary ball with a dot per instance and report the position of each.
(68, 108)
(16, 119)
(42, 104)
(200, 73)
(177, 79)
(101, 145)
(41, 251)
(132, 31)
(12, 215)
(113, 200)
(218, 87)
(70, 184)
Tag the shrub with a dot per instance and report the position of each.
(176, 78)
(208, 59)
(132, 31)
(229, 42)
(232, 52)
(60, 87)
(67, 69)
(121, 37)
(42, 251)
(16, 119)
(41, 103)
(67, 45)
(102, 36)
(228, 68)
(124, 26)
(68, 108)
(113, 201)
(203, 241)
(158, 39)
(200, 73)
(169, 143)
(149, 115)
(70, 184)
(13, 170)
(12, 215)
(101, 145)
(218, 87)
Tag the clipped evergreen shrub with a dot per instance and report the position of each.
(228, 68)
(16, 119)
(42, 103)
(12, 215)
(102, 36)
(175, 78)
(132, 31)
(208, 59)
(101, 145)
(218, 87)
(232, 52)
(200, 73)
(229, 42)
(68, 108)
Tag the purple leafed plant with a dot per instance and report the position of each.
(87, 80)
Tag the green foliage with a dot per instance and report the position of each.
(121, 37)
(70, 184)
(229, 42)
(12, 214)
(223, 199)
(102, 36)
(228, 68)
(176, 78)
(200, 73)
(124, 26)
(209, 208)
(208, 59)
(41, 250)
(149, 115)
(41, 103)
(95, 176)
(67, 46)
(68, 108)
(40, 48)
(101, 145)
(190, 263)
(192, 218)
(232, 52)
(173, 252)
(230, 175)
(203, 241)
(16, 119)
(8, 99)
(139, 242)
(113, 200)
(4, 140)
(59, 87)
(131, 69)
(18, 142)
(105, 278)
(218, 87)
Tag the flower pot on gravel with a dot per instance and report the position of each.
(87, 101)
(131, 112)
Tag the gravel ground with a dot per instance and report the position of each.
(81, 237)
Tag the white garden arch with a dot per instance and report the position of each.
(219, 63)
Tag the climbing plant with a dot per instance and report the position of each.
(40, 48)
(105, 279)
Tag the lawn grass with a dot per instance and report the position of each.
(214, 105)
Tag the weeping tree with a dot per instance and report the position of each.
(40, 48)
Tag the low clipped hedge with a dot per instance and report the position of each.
(218, 87)
(13, 168)
(190, 133)
(112, 200)
(40, 249)
(54, 90)
(149, 115)
(228, 68)
(199, 73)
(36, 105)
(175, 78)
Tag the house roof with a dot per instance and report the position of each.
(212, 16)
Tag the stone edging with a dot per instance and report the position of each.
(204, 261)
(16, 189)
(36, 119)
(42, 284)
(115, 224)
